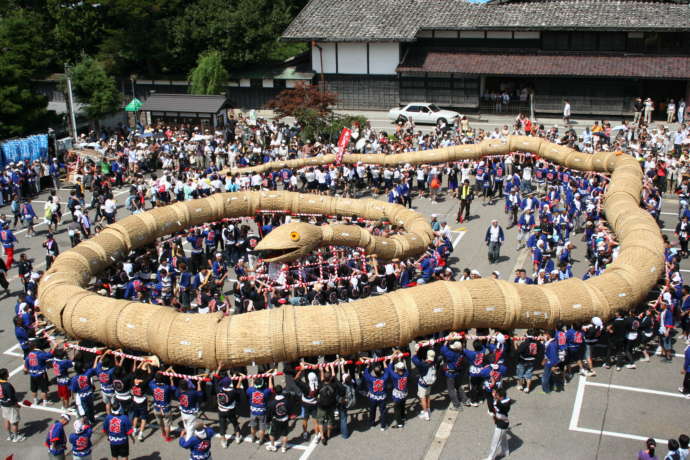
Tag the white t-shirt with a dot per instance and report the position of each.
(110, 206)
(494, 233)
(527, 174)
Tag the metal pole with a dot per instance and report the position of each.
(323, 83)
(531, 106)
(70, 107)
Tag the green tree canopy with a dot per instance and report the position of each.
(24, 59)
(161, 37)
(245, 32)
(209, 75)
(77, 28)
(136, 36)
(94, 87)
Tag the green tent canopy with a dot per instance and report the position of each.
(134, 105)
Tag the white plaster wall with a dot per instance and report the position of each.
(383, 58)
(328, 58)
(352, 58)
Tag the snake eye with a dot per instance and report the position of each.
(294, 236)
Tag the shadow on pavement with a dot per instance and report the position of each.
(36, 426)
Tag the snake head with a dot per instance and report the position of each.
(290, 241)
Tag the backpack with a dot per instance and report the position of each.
(326, 396)
(592, 333)
(350, 399)
(281, 409)
(118, 385)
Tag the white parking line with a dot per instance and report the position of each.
(48, 409)
(459, 237)
(309, 450)
(17, 371)
(522, 255)
(250, 440)
(10, 351)
(577, 405)
(16, 277)
(616, 434)
(638, 390)
(577, 408)
(68, 213)
(658, 353)
(442, 435)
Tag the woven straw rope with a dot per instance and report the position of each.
(374, 322)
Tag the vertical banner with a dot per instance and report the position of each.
(343, 140)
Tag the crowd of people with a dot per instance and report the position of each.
(214, 268)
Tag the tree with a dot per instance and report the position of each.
(160, 37)
(292, 102)
(136, 36)
(209, 75)
(246, 32)
(94, 87)
(24, 58)
(309, 105)
(77, 28)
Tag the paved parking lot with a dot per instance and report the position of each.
(604, 417)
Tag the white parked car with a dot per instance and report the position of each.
(422, 112)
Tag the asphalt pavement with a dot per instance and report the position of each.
(378, 119)
(604, 417)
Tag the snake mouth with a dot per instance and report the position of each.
(274, 255)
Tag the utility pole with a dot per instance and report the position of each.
(70, 106)
(323, 82)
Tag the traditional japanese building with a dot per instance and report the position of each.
(597, 53)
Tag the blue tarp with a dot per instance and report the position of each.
(29, 148)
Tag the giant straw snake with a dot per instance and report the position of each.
(396, 318)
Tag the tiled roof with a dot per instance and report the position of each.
(671, 67)
(159, 102)
(400, 20)
(355, 20)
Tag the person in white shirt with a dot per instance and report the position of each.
(446, 231)
(648, 109)
(566, 112)
(321, 180)
(110, 209)
(526, 183)
(256, 181)
(671, 111)
(465, 172)
(494, 238)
